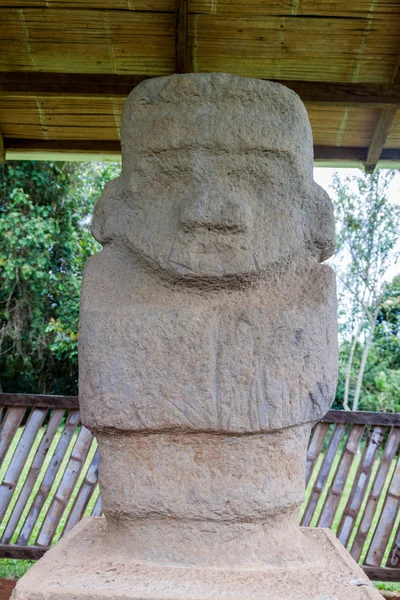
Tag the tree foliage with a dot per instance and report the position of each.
(45, 210)
(368, 233)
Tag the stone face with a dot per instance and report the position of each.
(217, 180)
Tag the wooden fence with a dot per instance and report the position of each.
(49, 469)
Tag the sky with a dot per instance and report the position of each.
(323, 176)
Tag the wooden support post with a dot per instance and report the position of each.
(181, 36)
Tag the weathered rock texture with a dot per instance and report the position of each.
(80, 568)
(208, 342)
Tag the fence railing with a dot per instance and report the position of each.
(49, 470)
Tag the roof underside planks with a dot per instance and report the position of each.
(67, 66)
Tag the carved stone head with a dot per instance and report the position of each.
(216, 180)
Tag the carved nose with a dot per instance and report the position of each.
(215, 212)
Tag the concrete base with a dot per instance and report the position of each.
(82, 567)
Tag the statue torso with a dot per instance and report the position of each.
(246, 360)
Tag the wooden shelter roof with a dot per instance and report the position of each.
(66, 67)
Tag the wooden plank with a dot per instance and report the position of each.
(381, 573)
(314, 449)
(85, 493)
(376, 490)
(18, 460)
(181, 36)
(21, 552)
(386, 521)
(362, 418)
(323, 474)
(105, 42)
(93, 85)
(357, 494)
(48, 480)
(295, 47)
(120, 5)
(39, 401)
(97, 509)
(342, 472)
(394, 555)
(33, 473)
(9, 426)
(65, 488)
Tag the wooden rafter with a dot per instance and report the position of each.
(381, 132)
(181, 36)
(23, 146)
(67, 85)
(113, 148)
(379, 138)
(352, 154)
(42, 85)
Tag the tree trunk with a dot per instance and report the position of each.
(353, 345)
(362, 365)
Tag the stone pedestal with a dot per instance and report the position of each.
(207, 349)
(85, 566)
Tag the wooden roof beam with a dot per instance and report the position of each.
(382, 130)
(112, 148)
(353, 154)
(181, 45)
(378, 141)
(77, 85)
(28, 149)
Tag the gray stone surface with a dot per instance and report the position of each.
(208, 348)
(83, 566)
(155, 358)
(209, 291)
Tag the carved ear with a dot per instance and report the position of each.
(322, 224)
(104, 216)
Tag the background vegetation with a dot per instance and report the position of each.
(45, 238)
(368, 236)
(45, 210)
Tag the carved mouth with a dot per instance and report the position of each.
(225, 228)
(204, 240)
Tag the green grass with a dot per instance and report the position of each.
(16, 568)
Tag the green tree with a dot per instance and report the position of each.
(45, 213)
(367, 235)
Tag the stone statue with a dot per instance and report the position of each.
(208, 348)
